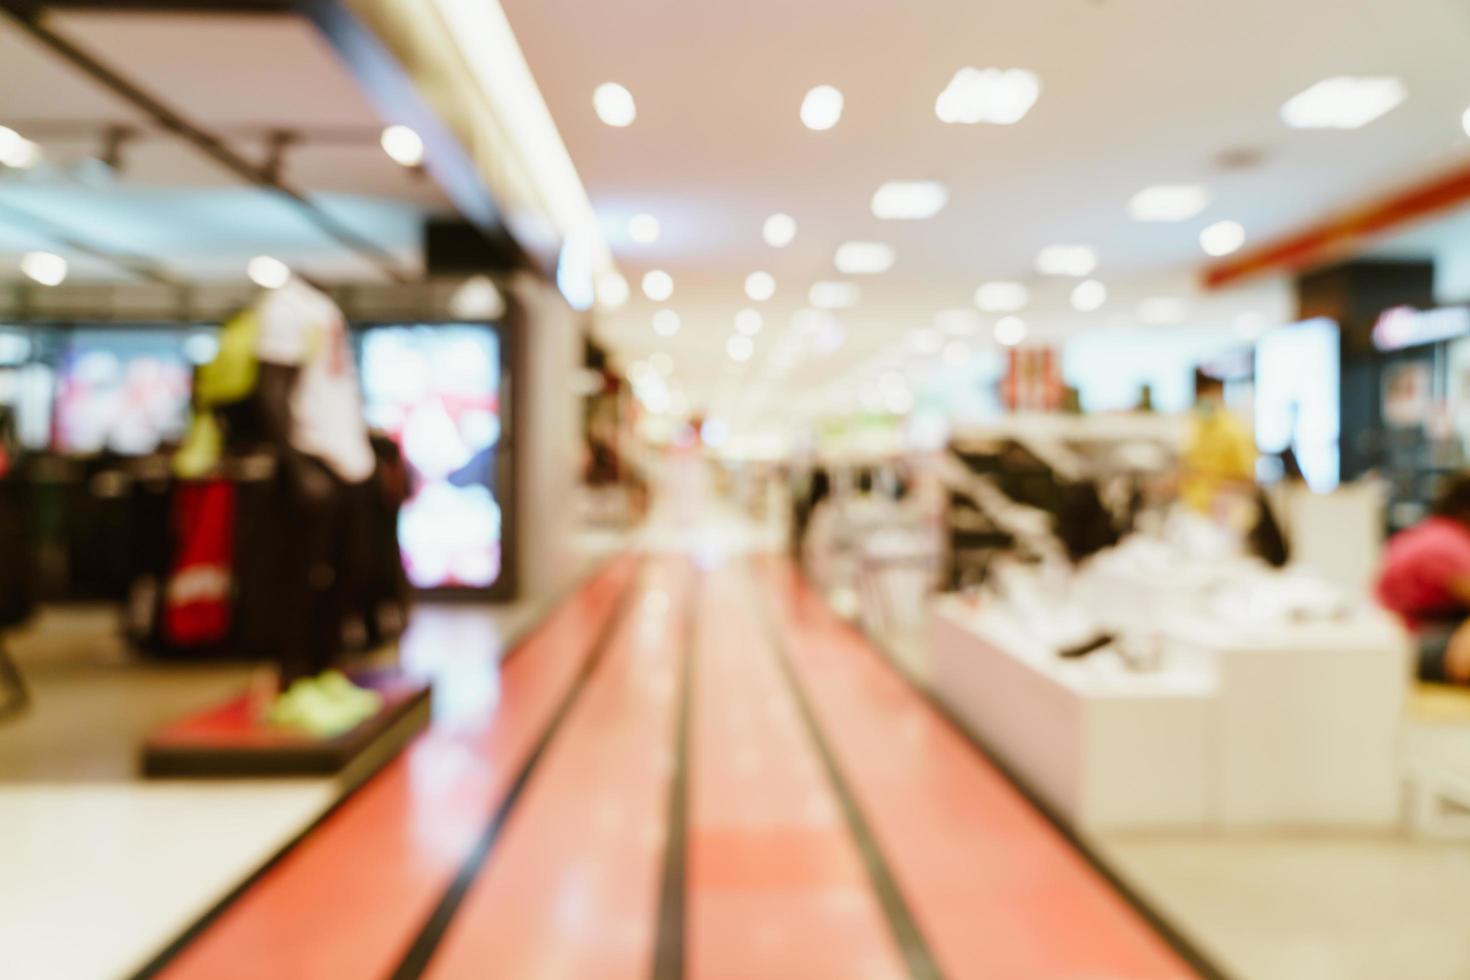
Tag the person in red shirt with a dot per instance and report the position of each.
(1425, 579)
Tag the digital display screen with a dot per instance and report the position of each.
(436, 391)
(1297, 406)
(126, 393)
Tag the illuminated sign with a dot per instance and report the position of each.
(1404, 326)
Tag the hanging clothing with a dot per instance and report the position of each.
(301, 327)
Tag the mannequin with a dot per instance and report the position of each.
(310, 411)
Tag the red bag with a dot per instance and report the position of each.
(197, 610)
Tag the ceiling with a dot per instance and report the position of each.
(239, 76)
(1134, 92)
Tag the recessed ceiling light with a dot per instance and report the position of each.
(1066, 260)
(864, 258)
(760, 286)
(909, 200)
(1162, 310)
(614, 104)
(643, 229)
(1343, 103)
(658, 285)
(403, 146)
(662, 362)
(926, 340)
(268, 272)
(993, 95)
(749, 322)
(666, 323)
(821, 108)
(1010, 331)
(1089, 295)
(958, 323)
(46, 268)
(956, 353)
(1169, 202)
(739, 347)
(612, 290)
(1001, 297)
(834, 295)
(16, 151)
(779, 230)
(1222, 238)
(478, 298)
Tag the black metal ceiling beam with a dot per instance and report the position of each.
(26, 14)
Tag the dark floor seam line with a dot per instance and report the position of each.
(1185, 947)
(668, 963)
(416, 960)
(917, 955)
(199, 926)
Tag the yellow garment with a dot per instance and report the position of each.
(231, 375)
(1220, 452)
(200, 451)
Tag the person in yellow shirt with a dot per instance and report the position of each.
(1219, 463)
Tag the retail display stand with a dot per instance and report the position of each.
(233, 739)
(1288, 725)
(1115, 750)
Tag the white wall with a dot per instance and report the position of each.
(547, 449)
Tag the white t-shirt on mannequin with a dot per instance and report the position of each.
(301, 327)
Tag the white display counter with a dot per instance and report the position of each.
(1291, 725)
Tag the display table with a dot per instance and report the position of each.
(1270, 726)
(1100, 747)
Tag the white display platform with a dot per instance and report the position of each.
(1100, 748)
(1293, 725)
(1307, 722)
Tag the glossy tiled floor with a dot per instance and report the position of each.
(690, 768)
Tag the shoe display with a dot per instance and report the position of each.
(324, 706)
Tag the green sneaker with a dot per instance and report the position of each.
(323, 710)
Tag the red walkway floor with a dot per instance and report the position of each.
(688, 773)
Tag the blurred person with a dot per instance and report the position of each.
(1425, 580)
(1219, 462)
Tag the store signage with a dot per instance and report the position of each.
(1404, 326)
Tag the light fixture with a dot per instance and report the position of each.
(833, 295)
(46, 268)
(614, 105)
(760, 286)
(1001, 96)
(740, 348)
(643, 229)
(666, 323)
(956, 353)
(662, 363)
(749, 322)
(1089, 295)
(864, 258)
(1222, 238)
(779, 230)
(1066, 260)
(612, 291)
(477, 298)
(16, 151)
(268, 272)
(909, 200)
(958, 323)
(714, 432)
(1002, 297)
(821, 108)
(1168, 202)
(926, 340)
(1162, 310)
(1343, 102)
(658, 285)
(1010, 331)
(1465, 122)
(403, 146)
